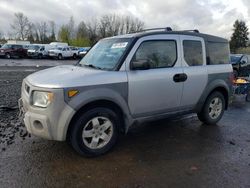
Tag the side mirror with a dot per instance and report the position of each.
(140, 65)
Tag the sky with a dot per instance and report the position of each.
(208, 16)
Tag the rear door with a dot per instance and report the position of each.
(194, 66)
(154, 91)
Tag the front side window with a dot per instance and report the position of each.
(193, 52)
(159, 54)
(218, 53)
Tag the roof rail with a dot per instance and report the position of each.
(194, 30)
(159, 28)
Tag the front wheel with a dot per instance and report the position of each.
(95, 132)
(7, 56)
(213, 109)
(60, 57)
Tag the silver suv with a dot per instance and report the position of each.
(128, 79)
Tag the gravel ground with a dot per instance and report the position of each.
(10, 125)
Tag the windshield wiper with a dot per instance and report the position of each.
(93, 66)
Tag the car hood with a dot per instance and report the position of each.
(74, 76)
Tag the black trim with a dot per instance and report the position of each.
(125, 54)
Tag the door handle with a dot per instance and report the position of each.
(182, 77)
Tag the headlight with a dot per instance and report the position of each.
(42, 99)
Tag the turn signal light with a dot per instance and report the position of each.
(72, 93)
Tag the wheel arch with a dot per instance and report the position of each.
(98, 103)
(221, 87)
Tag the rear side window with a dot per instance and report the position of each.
(193, 52)
(160, 54)
(218, 53)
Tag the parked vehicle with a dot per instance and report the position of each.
(13, 50)
(241, 64)
(74, 51)
(125, 80)
(83, 51)
(63, 52)
(39, 50)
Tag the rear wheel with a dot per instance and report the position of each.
(95, 132)
(248, 96)
(74, 56)
(213, 109)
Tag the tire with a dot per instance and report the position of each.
(74, 56)
(89, 140)
(213, 109)
(60, 57)
(40, 56)
(248, 97)
(7, 56)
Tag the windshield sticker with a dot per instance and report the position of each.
(119, 45)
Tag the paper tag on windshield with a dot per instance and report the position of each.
(119, 45)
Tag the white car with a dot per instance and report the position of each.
(62, 52)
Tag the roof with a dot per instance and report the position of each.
(206, 37)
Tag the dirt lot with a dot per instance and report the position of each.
(179, 152)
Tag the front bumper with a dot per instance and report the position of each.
(50, 123)
(32, 54)
(2, 53)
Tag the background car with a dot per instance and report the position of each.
(83, 51)
(13, 50)
(241, 64)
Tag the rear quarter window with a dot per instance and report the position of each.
(193, 52)
(218, 53)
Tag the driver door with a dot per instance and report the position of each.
(155, 90)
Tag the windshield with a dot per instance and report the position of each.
(106, 53)
(6, 46)
(34, 47)
(235, 58)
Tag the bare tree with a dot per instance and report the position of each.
(111, 25)
(1, 35)
(92, 31)
(20, 26)
(131, 24)
(42, 28)
(82, 30)
(52, 36)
